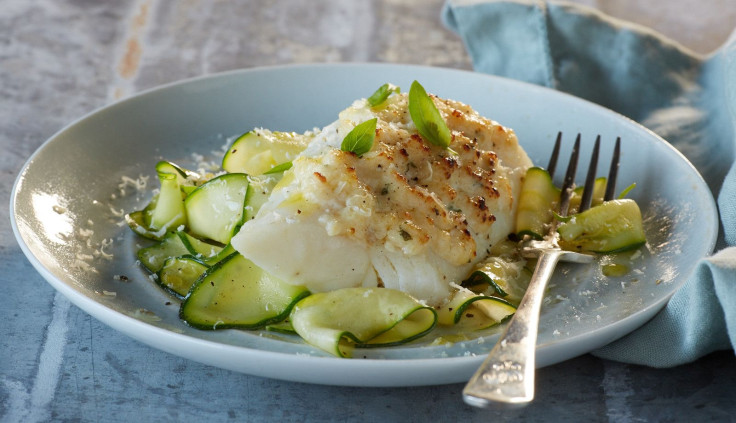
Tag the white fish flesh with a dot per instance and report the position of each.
(406, 215)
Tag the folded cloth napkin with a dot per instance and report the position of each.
(688, 99)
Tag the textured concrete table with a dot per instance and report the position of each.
(62, 59)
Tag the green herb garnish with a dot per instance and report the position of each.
(283, 167)
(360, 139)
(382, 94)
(427, 118)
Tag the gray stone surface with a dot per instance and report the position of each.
(62, 59)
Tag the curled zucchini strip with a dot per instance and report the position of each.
(537, 200)
(178, 274)
(176, 244)
(282, 327)
(611, 227)
(137, 222)
(235, 293)
(337, 321)
(260, 150)
(168, 211)
(469, 311)
(499, 277)
(215, 210)
(165, 212)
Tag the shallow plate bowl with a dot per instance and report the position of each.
(67, 205)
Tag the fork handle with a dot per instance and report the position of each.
(506, 377)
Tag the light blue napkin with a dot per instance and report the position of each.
(689, 100)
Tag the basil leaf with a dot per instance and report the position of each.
(283, 167)
(427, 118)
(382, 94)
(360, 139)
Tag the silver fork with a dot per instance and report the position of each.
(506, 377)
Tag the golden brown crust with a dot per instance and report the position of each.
(427, 196)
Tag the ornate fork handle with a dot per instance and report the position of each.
(506, 377)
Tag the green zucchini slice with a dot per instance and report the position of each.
(599, 190)
(500, 277)
(202, 250)
(174, 244)
(136, 222)
(178, 274)
(338, 321)
(537, 201)
(167, 211)
(611, 227)
(184, 177)
(221, 255)
(259, 189)
(215, 210)
(258, 151)
(235, 293)
(469, 311)
(282, 327)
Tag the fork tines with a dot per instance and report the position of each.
(568, 184)
(613, 172)
(587, 198)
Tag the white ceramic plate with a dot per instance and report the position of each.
(66, 211)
